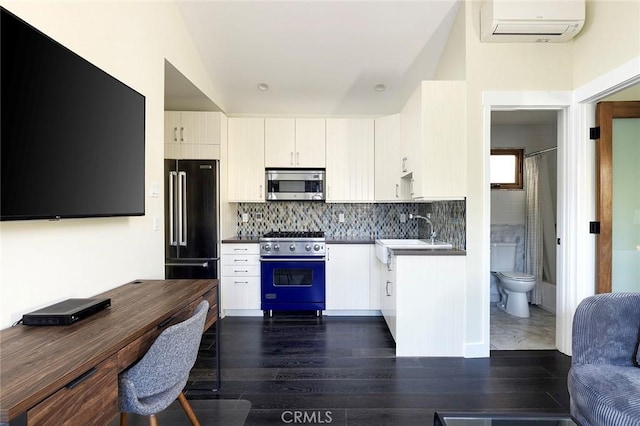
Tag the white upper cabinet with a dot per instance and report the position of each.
(298, 142)
(279, 142)
(245, 156)
(387, 159)
(433, 141)
(350, 160)
(310, 142)
(192, 135)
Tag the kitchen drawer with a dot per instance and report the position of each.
(241, 259)
(249, 248)
(90, 399)
(241, 292)
(240, 270)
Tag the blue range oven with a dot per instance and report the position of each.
(292, 274)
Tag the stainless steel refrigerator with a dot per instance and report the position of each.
(191, 229)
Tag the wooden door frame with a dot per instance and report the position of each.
(605, 113)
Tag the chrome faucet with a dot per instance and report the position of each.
(432, 234)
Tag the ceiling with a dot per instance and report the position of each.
(322, 57)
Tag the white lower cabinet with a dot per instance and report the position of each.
(240, 280)
(423, 304)
(387, 277)
(348, 277)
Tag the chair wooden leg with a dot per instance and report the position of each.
(153, 420)
(123, 419)
(187, 409)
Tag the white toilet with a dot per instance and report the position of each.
(513, 286)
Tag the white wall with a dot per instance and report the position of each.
(610, 38)
(42, 262)
(505, 67)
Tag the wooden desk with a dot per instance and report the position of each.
(69, 374)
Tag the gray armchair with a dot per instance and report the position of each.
(158, 379)
(604, 379)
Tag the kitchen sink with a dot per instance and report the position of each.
(383, 246)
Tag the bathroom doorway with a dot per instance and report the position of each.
(528, 220)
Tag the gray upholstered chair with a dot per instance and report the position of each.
(604, 379)
(155, 381)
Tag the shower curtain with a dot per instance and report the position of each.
(533, 225)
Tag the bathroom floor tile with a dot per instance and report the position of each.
(509, 332)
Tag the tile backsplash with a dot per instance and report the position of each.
(361, 220)
(449, 222)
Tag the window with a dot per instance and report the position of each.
(506, 168)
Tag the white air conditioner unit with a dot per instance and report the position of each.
(531, 21)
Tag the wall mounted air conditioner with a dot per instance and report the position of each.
(531, 21)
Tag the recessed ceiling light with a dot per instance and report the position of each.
(263, 87)
(380, 87)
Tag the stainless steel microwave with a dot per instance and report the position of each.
(295, 185)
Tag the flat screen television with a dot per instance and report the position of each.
(72, 137)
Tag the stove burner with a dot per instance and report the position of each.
(294, 234)
(294, 243)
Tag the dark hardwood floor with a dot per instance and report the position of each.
(342, 371)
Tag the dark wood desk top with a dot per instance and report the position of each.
(36, 361)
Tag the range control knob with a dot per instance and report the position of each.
(276, 247)
(267, 247)
(316, 247)
(292, 247)
(307, 247)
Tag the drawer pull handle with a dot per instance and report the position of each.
(240, 271)
(163, 323)
(240, 249)
(83, 377)
(241, 282)
(241, 260)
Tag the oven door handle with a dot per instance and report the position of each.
(284, 259)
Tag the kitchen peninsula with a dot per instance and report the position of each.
(415, 291)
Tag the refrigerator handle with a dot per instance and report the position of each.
(182, 208)
(172, 219)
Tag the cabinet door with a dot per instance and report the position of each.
(350, 159)
(279, 142)
(375, 279)
(200, 127)
(245, 170)
(411, 134)
(192, 135)
(387, 158)
(172, 135)
(310, 142)
(444, 117)
(432, 129)
(348, 276)
(240, 292)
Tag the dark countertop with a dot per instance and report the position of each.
(255, 239)
(427, 252)
(350, 240)
(248, 239)
(331, 240)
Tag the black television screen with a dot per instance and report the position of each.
(72, 136)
